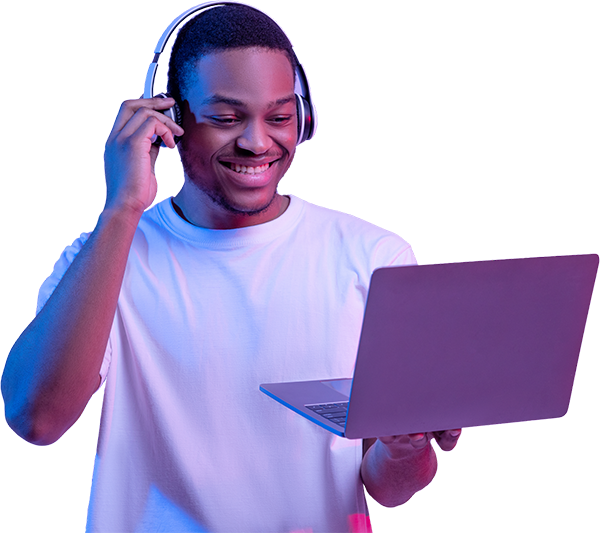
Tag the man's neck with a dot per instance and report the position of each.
(280, 202)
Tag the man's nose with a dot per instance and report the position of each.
(255, 138)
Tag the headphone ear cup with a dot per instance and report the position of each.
(306, 119)
(174, 113)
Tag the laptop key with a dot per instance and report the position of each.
(335, 414)
(326, 406)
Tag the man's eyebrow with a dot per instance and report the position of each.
(219, 99)
(282, 101)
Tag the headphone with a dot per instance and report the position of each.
(307, 114)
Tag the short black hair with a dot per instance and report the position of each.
(222, 28)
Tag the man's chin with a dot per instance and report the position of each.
(242, 209)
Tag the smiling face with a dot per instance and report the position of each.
(240, 124)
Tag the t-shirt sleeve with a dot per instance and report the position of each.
(389, 249)
(405, 256)
(47, 288)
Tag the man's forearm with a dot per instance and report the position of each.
(53, 368)
(393, 480)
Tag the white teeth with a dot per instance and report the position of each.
(242, 169)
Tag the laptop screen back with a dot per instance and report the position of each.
(468, 344)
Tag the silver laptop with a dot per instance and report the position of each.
(457, 345)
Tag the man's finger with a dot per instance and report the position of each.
(145, 123)
(419, 440)
(447, 439)
(130, 107)
(389, 440)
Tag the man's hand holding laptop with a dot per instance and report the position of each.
(395, 468)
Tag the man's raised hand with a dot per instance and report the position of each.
(131, 152)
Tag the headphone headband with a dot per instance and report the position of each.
(307, 116)
(160, 46)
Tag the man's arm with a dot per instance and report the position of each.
(395, 468)
(53, 368)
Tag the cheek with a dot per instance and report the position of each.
(288, 138)
(291, 139)
(200, 140)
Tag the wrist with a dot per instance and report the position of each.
(120, 217)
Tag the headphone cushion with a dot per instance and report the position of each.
(305, 119)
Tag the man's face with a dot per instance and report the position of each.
(240, 129)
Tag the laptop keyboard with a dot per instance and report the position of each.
(334, 412)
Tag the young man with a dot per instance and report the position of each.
(185, 308)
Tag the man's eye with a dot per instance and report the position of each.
(283, 119)
(225, 120)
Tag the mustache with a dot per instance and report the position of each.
(269, 155)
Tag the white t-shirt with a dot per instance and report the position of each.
(187, 441)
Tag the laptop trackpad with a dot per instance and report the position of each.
(339, 385)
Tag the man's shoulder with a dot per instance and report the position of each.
(352, 226)
(159, 221)
(355, 236)
(152, 214)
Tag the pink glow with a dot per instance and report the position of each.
(359, 523)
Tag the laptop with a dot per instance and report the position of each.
(457, 345)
